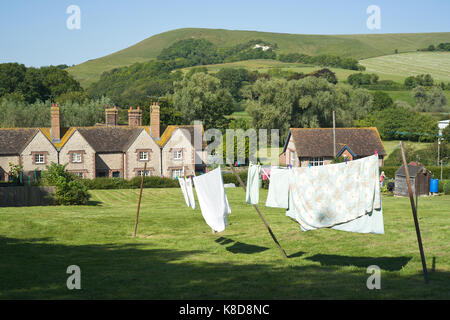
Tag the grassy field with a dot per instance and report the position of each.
(358, 46)
(175, 255)
(437, 64)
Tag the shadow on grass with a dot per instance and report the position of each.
(239, 247)
(385, 263)
(36, 269)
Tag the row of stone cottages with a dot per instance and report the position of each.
(104, 150)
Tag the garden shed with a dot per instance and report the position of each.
(419, 177)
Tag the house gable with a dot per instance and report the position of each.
(77, 144)
(38, 153)
(146, 144)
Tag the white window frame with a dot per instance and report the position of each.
(39, 158)
(178, 155)
(79, 174)
(143, 155)
(292, 159)
(147, 173)
(177, 173)
(79, 158)
(316, 161)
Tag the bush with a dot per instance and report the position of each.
(231, 178)
(69, 189)
(134, 183)
(389, 171)
(445, 186)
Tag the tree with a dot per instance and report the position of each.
(281, 104)
(433, 100)
(446, 134)
(325, 73)
(381, 100)
(202, 98)
(400, 123)
(233, 80)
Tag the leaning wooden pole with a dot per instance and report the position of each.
(139, 202)
(260, 215)
(414, 212)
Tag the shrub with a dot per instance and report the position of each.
(446, 187)
(134, 183)
(231, 178)
(69, 189)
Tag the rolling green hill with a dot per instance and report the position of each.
(358, 46)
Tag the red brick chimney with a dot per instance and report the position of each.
(111, 116)
(135, 117)
(154, 120)
(55, 130)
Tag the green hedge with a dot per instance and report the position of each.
(231, 178)
(118, 183)
(389, 171)
(444, 186)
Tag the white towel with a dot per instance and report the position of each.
(212, 199)
(190, 192)
(278, 188)
(183, 189)
(252, 190)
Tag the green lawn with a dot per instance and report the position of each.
(437, 64)
(175, 255)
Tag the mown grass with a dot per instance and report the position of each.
(175, 255)
(437, 64)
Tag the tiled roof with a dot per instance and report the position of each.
(13, 141)
(413, 169)
(101, 138)
(171, 129)
(110, 139)
(318, 142)
(65, 135)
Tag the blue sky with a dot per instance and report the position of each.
(34, 32)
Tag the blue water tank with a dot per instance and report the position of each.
(434, 185)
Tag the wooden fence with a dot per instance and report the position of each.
(19, 196)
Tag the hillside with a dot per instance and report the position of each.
(358, 46)
(437, 64)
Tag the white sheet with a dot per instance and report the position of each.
(212, 199)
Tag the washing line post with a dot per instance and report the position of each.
(260, 215)
(414, 212)
(139, 202)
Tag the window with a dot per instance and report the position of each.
(316, 161)
(177, 173)
(79, 174)
(39, 158)
(177, 155)
(143, 156)
(292, 153)
(116, 174)
(140, 172)
(76, 158)
(102, 174)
